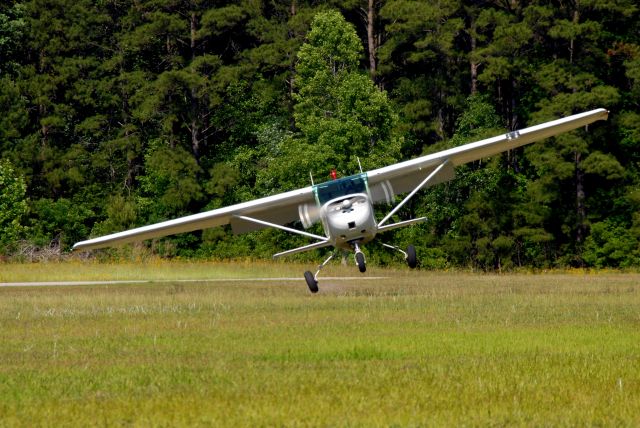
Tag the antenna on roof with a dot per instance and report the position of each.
(311, 175)
(360, 165)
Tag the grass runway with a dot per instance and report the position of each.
(414, 349)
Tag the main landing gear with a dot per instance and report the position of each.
(409, 256)
(312, 283)
(312, 280)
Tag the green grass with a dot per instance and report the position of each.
(418, 349)
(163, 270)
(152, 269)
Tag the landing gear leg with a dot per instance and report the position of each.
(360, 261)
(409, 255)
(312, 280)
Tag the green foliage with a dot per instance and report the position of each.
(170, 184)
(611, 245)
(417, 60)
(123, 114)
(14, 118)
(58, 223)
(339, 111)
(472, 218)
(13, 206)
(121, 214)
(332, 49)
(12, 27)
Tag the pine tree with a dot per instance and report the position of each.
(339, 111)
(419, 61)
(572, 166)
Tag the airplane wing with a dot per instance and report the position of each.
(279, 209)
(403, 177)
(384, 184)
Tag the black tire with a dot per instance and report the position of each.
(361, 263)
(412, 260)
(311, 282)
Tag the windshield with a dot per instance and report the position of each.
(343, 186)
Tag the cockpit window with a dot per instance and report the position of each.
(343, 186)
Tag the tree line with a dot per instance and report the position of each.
(120, 113)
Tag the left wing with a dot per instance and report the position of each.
(278, 209)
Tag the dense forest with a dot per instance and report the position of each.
(120, 113)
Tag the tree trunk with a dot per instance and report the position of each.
(42, 109)
(576, 18)
(474, 67)
(513, 115)
(371, 39)
(195, 126)
(292, 72)
(581, 211)
(194, 28)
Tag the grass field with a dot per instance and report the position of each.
(415, 349)
(152, 269)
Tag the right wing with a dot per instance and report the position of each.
(279, 209)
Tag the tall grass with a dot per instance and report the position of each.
(409, 350)
(156, 269)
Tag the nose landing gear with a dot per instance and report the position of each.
(360, 261)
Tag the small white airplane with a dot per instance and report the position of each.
(345, 206)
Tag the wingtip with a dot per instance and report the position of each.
(605, 112)
(81, 246)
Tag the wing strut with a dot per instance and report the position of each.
(323, 241)
(278, 226)
(302, 249)
(400, 224)
(430, 177)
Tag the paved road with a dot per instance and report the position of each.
(142, 281)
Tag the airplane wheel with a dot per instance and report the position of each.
(412, 260)
(311, 282)
(361, 263)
